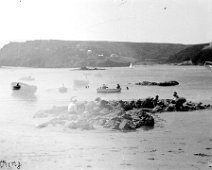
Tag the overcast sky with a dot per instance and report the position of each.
(173, 21)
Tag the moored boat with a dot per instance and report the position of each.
(208, 64)
(63, 89)
(23, 87)
(131, 65)
(16, 87)
(108, 90)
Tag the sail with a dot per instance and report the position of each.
(131, 65)
(208, 64)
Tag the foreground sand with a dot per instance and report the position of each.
(170, 145)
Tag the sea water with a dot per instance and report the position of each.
(195, 84)
(48, 148)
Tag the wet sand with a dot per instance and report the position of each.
(180, 140)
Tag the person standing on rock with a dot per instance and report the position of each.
(179, 102)
(155, 100)
(175, 95)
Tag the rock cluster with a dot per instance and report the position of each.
(88, 69)
(120, 115)
(154, 105)
(165, 83)
(86, 115)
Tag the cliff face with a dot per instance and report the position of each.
(55, 53)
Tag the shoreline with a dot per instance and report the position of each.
(101, 68)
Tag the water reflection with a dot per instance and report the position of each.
(21, 95)
(80, 83)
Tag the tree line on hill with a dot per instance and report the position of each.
(57, 53)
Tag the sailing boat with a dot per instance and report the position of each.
(131, 65)
(208, 64)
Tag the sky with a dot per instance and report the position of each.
(168, 21)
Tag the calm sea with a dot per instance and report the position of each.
(195, 84)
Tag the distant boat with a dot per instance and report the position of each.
(131, 65)
(16, 87)
(101, 90)
(208, 64)
(23, 87)
(63, 89)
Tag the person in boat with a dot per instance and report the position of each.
(127, 88)
(18, 85)
(104, 86)
(118, 86)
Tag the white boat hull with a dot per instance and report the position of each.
(100, 90)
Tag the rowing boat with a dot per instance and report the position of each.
(108, 90)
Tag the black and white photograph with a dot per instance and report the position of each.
(105, 85)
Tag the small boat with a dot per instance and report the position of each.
(208, 64)
(23, 87)
(131, 65)
(108, 90)
(63, 89)
(16, 87)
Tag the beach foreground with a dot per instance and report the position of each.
(181, 141)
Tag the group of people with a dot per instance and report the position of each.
(177, 100)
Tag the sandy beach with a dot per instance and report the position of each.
(179, 140)
(172, 144)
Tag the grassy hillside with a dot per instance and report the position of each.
(55, 53)
(198, 54)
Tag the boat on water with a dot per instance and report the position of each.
(63, 89)
(23, 87)
(16, 87)
(131, 65)
(108, 90)
(208, 64)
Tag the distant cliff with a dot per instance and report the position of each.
(56, 53)
(198, 54)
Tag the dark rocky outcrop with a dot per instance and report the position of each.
(165, 83)
(119, 115)
(89, 69)
(193, 54)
